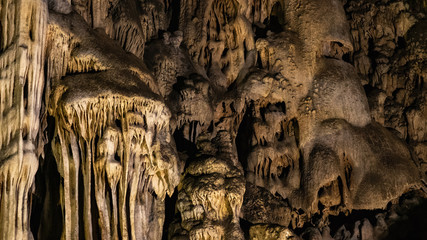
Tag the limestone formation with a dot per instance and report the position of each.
(22, 42)
(213, 119)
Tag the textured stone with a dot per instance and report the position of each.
(212, 119)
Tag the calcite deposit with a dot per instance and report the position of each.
(213, 119)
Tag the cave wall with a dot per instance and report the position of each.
(212, 119)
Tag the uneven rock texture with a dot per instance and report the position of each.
(213, 119)
(113, 140)
(22, 38)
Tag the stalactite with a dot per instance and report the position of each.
(212, 119)
(23, 27)
(128, 158)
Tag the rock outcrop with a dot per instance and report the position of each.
(212, 119)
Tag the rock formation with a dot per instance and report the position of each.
(22, 43)
(213, 119)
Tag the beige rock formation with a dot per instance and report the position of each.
(212, 119)
(22, 43)
(118, 136)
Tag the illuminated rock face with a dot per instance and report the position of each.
(211, 119)
(22, 37)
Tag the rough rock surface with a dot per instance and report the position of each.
(22, 41)
(213, 119)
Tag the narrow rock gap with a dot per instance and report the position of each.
(174, 22)
(244, 136)
(170, 212)
(46, 216)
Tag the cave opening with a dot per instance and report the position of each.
(244, 136)
(176, 11)
(46, 214)
(276, 21)
(170, 212)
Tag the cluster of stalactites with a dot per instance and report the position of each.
(131, 23)
(262, 10)
(273, 159)
(125, 145)
(218, 38)
(22, 35)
